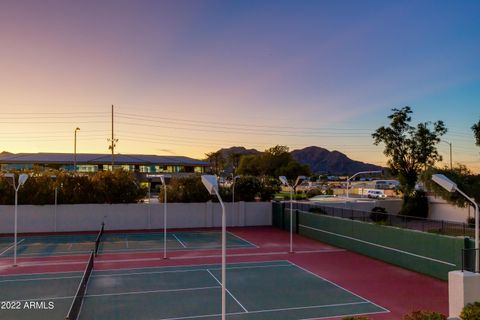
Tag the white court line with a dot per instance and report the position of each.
(380, 246)
(123, 293)
(346, 315)
(338, 286)
(140, 268)
(145, 273)
(271, 310)
(13, 245)
(243, 239)
(180, 241)
(228, 291)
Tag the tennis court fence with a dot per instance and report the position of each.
(407, 222)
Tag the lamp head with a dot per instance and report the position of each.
(299, 180)
(444, 182)
(22, 179)
(162, 179)
(77, 129)
(210, 182)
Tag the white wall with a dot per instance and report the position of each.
(88, 217)
(440, 209)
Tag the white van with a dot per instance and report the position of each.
(376, 194)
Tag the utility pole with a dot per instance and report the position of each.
(113, 143)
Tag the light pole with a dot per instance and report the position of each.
(210, 182)
(54, 179)
(21, 180)
(233, 193)
(451, 186)
(75, 149)
(284, 181)
(450, 145)
(162, 179)
(356, 174)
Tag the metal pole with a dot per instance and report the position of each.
(15, 234)
(75, 152)
(291, 219)
(451, 166)
(348, 186)
(224, 255)
(477, 230)
(55, 217)
(165, 223)
(113, 143)
(149, 208)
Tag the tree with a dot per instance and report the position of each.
(274, 162)
(476, 132)
(409, 149)
(217, 162)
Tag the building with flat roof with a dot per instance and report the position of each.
(145, 167)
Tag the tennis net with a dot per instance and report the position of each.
(74, 310)
(99, 238)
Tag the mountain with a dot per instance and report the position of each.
(228, 152)
(319, 159)
(331, 162)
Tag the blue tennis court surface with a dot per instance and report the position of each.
(118, 242)
(274, 290)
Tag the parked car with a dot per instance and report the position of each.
(376, 194)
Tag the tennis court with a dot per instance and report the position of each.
(51, 245)
(259, 290)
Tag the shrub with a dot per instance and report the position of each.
(424, 315)
(379, 214)
(186, 189)
(314, 192)
(471, 222)
(471, 311)
(356, 318)
(415, 205)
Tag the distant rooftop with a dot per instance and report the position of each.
(97, 158)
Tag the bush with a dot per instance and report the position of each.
(424, 315)
(356, 318)
(186, 189)
(314, 192)
(471, 311)
(379, 214)
(415, 205)
(471, 222)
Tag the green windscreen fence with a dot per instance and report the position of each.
(424, 252)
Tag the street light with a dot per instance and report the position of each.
(54, 179)
(210, 182)
(233, 192)
(75, 149)
(22, 178)
(450, 144)
(284, 181)
(356, 174)
(162, 179)
(451, 186)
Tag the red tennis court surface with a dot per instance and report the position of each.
(398, 290)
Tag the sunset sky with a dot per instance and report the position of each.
(190, 77)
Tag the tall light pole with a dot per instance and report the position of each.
(21, 180)
(233, 193)
(450, 145)
(162, 179)
(75, 149)
(356, 174)
(210, 182)
(451, 186)
(284, 181)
